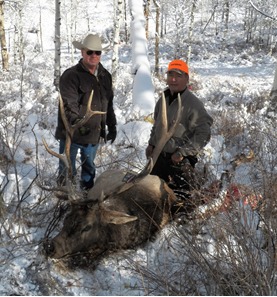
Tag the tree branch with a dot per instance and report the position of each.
(263, 13)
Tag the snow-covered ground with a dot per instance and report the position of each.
(227, 80)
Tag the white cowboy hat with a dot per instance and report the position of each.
(91, 42)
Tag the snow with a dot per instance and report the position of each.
(222, 78)
(143, 89)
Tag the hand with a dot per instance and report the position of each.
(75, 121)
(112, 134)
(149, 151)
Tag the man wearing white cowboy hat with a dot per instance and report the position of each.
(76, 84)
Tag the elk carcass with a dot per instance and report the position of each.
(120, 211)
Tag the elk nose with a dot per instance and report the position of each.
(49, 248)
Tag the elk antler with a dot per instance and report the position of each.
(163, 131)
(70, 129)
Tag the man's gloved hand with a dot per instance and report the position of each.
(75, 121)
(112, 133)
(84, 131)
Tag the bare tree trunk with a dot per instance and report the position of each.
(125, 21)
(249, 24)
(191, 26)
(118, 17)
(226, 12)
(15, 41)
(180, 24)
(273, 96)
(4, 50)
(211, 17)
(157, 37)
(57, 66)
(19, 42)
(70, 20)
(164, 16)
(40, 30)
(72, 26)
(146, 5)
(162, 21)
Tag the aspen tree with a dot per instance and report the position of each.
(57, 66)
(4, 50)
(118, 18)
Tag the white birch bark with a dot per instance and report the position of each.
(191, 26)
(146, 13)
(157, 36)
(4, 50)
(57, 64)
(118, 18)
(18, 36)
(273, 96)
(40, 28)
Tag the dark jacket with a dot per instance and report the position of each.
(194, 130)
(76, 84)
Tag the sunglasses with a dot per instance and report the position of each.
(89, 53)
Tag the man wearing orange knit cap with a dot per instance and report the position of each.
(191, 135)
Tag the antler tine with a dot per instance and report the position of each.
(63, 115)
(87, 116)
(164, 131)
(51, 152)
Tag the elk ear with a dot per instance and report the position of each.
(116, 217)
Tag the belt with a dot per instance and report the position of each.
(82, 144)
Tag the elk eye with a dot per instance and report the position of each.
(87, 228)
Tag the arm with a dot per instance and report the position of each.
(69, 86)
(110, 117)
(199, 131)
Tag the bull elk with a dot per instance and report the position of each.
(121, 211)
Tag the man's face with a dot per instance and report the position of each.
(91, 58)
(177, 81)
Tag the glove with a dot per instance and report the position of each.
(82, 130)
(74, 121)
(112, 133)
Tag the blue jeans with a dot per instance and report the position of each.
(88, 153)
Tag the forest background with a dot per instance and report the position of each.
(230, 47)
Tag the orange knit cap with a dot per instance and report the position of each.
(178, 65)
